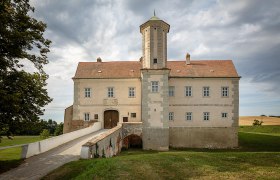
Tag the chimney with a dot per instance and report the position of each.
(188, 58)
(99, 59)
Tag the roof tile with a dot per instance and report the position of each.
(132, 69)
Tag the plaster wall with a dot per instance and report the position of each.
(99, 101)
(215, 104)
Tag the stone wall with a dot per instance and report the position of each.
(130, 128)
(203, 137)
(155, 110)
(107, 145)
(68, 116)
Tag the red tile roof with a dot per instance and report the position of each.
(131, 69)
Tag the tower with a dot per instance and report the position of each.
(154, 76)
(154, 43)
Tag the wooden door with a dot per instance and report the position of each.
(111, 119)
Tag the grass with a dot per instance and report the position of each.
(275, 130)
(257, 158)
(18, 140)
(10, 158)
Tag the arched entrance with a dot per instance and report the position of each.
(132, 141)
(111, 119)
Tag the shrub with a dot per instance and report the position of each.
(45, 134)
(257, 122)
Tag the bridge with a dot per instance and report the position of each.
(44, 156)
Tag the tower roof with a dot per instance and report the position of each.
(154, 19)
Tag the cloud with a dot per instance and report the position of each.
(248, 32)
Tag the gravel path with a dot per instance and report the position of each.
(40, 165)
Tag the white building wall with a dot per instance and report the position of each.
(99, 101)
(215, 104)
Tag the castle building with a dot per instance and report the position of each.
(183, 103)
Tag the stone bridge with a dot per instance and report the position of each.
(125, 135)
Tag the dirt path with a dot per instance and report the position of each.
(38, 166)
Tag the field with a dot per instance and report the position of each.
(248, 120)
(258, 157)
(10, 158)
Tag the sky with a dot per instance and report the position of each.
(247, 32)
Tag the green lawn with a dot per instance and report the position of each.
(10, 158)
(18, 140)
(257, 158)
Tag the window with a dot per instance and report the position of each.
(110, 92)
(188, 90)
(206, 116)
(86, 117)
(87, 92)
(224, 115)
(206, 91)
(133, 115)
(154, 86)
(131, 92)
(171, 90)
(95, 116)
(171, 116)
(224, 91)
(125, 119)
(188, 116)
(155, 60)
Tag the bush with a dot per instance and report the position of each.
(257, 122)
(45, 134)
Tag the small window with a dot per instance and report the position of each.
(225, 92)
(125, 119)
(206, 116)
(87, 92)
(188, 91)
(131, 92)
(110, 92)
(95, 116)
(154, 86)
(133, 115)
(188, 116)
(86, 117)
(171, 91)
(155, 60)
(224, 115)
(171, 116)
(206, 91)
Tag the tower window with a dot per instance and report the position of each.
(155, 86)
(87, 92)
(155, 60)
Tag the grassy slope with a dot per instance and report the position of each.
(258, 158)
(10, 158)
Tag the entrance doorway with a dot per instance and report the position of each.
(111, 119)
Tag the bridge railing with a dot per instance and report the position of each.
(32, 149)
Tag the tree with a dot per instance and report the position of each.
(257, 122)
(45, 134)
(23, 94)
(59, 129)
